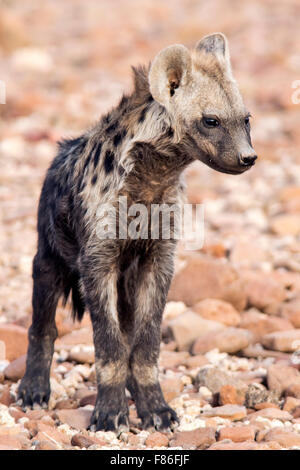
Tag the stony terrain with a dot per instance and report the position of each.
(230, 353)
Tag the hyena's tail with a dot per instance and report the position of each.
(78, 305)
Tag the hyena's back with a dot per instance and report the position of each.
(60, 216)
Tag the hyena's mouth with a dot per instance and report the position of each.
(238, 170)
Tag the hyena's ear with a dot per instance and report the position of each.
(170, 70)
(215, 46)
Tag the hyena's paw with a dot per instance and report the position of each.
(110, 417)
(34, 392)
(162, 419)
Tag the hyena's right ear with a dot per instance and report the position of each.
(170, 70)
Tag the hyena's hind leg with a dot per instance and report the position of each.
(47, 288)
(152, 288)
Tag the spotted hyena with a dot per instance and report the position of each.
(185, 107)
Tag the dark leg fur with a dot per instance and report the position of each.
(47, 288)
(99, 275)
(152, 288)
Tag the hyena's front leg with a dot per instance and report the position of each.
(152, 288)
(99, 276)
(47, 288)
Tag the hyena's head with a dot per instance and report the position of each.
(202, 98)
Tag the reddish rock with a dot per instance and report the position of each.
(14, 442)
(230, 340)
(89, 399)
(261, 324)
(219, 311)
(200, 438)
(263, 292)
(264, 405)
(280, 377)
(78, 419)
(231, 412)
(205, 277)
(171, 388)
(291, 404)
(293, 390)
(157, 439)
(271, 413)
(16, 413)
(247, 445)
(15, 339)
(237, 433)
(46, 445)
(231, 395)
(169, 359)
(284, 437)
(82, 441)
(76, 337)
(285, 341)
(186, 328)
(196, 361)
(291, 311)
(16, 369)
(6, 398)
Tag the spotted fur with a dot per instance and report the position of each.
(137, 151)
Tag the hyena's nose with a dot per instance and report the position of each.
(248, 160)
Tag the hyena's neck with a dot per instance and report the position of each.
(136, 140)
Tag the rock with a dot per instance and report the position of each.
(231, 395)
(262, 291)
(205, 277)
(173, 310)
(189, 326)
(291, 311)
(293, 390)
(83, 336)
(237, 433)
(284, 437)
(200, 438)
(230, 340)
(285, 341)
(157, 439)
(256, 394)
(14, 442)
(261, 324)
(271, 413)
(286, 224)
(82, 354)
(214, 379)
(171, 388)
(82, 441)
(280, 377)
(78, 419)
(193, 362)
(219, 311)
(50, 434)
(291, 404)
(46, 445)
(170, 359)
(16, 369)
(89, 399)
(231, 412)
(15, 339)
(265, 404)
(2, 351)
(247, 445)
(6, 397)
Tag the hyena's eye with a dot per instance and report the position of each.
(210, 122)
(247, 120)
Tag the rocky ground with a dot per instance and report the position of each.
(230, 352)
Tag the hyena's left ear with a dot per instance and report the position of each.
(215, 46)
(170, 70)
